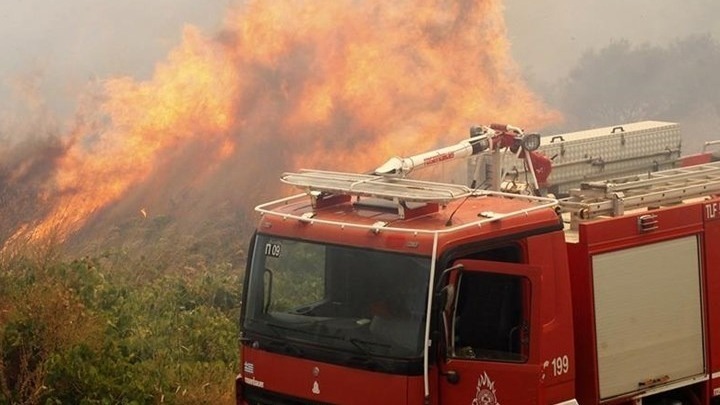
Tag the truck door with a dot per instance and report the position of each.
(491, 334)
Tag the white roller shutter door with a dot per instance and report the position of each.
(648, 315)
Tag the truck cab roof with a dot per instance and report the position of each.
(394, 214)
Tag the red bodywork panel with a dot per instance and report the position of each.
(711, 215)
(419, 243)
(696, 159)
(534, 381)
(611, 234)
(326, 383)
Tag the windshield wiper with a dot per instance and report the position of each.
(368, 358)
(364, 354)
(362, 344)
(364, 347)
(279, 339)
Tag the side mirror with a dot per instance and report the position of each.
(447, 298)
(446, 275)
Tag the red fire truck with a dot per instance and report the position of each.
(380, 289)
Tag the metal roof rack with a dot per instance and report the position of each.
(368, 185)
(612, 197)
(412, 197)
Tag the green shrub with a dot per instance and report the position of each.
(108, 331)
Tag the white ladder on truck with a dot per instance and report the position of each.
(614, 196)
(410, 197)
(367, 185)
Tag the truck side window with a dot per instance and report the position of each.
(489, 321)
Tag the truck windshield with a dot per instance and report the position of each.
(339, 298)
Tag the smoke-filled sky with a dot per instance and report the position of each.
(56, 47)
(549, 36)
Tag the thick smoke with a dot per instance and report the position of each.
(624, 83)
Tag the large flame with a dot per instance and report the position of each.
(339, 84)
(191, 95)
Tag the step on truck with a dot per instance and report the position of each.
(380, 289)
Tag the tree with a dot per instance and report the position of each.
(621, 83)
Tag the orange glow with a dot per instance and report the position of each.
(289, 83)
(411, 74)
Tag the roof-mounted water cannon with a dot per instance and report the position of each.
(480, 140)
(523, 146)
(494, 138)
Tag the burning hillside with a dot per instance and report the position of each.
(286, 84)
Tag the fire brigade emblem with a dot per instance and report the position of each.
(485, 391)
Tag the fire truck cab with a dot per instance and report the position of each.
(338, 291)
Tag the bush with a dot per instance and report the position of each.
(102, 330)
